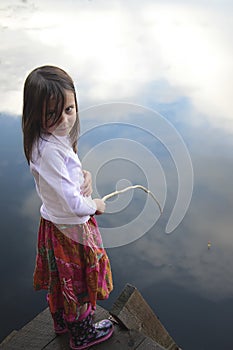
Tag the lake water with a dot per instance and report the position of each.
(154, 82)
(188, 285)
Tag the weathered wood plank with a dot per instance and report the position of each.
(34, 336)
(8, 338)
(61, 342)
(149, 344)
(131, 310)
(134, 313)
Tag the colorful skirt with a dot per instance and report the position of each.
(72, 272)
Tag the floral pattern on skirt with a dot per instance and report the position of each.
(73, 273)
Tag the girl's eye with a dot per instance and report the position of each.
(69, 109)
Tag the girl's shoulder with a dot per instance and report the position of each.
(49, 146)
(56, 143)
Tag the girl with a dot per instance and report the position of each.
(71, 263)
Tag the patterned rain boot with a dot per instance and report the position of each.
(59, 323)
(84, 333)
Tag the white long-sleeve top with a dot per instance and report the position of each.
(58, 176)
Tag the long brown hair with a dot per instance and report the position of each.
(42, 84)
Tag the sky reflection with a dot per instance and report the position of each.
(122, 51)
(174, 57)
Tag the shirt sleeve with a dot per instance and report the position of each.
(60, 189)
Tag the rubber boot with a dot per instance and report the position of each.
(84, 333)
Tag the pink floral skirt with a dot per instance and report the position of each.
(72, 272)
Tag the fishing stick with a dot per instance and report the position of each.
(110, 195)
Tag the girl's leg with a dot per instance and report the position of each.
(46, 274)
(68, 262)
(56, 307)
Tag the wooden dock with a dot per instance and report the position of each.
(136, 327)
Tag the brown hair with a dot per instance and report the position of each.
(42, 84)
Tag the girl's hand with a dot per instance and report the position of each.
(100, 206)
(86, 187)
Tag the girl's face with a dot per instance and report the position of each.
(68, 116)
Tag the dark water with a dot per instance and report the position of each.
(189, 286)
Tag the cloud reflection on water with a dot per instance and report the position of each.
(184, 257)
(117, 52)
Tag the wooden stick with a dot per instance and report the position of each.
(110, 195)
